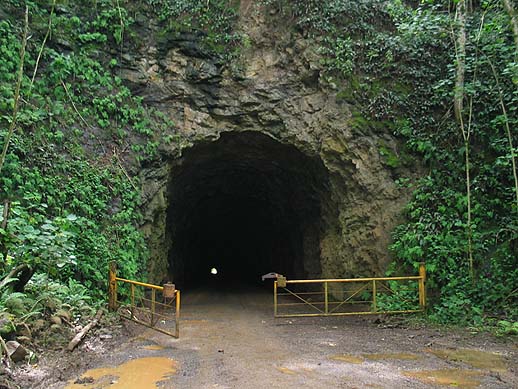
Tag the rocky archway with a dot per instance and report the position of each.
(269, 150)
(245, 204)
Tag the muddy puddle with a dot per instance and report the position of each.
(385, 356)
(286, 370)
(447, 377)
(346, 358)
(135, 374)
(476, 358)
(374, 357)
(153, 347)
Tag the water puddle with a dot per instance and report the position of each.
(451, 377)
(135, 374)
(373, 357)
(398, 356)
(153, 347)
(346, 358)
(285, 370)
(478, 359)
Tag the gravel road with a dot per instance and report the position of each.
(229, 339)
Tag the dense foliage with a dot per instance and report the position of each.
(69, 205)
(397, 65)
(213, 21)
(73, 205)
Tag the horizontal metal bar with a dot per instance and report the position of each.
(301, 299)
(139, 283)
(146, 312)
(149, 326)
(323, 302)
(342, 280)
(346, 313)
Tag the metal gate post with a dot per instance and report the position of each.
(153, 300)
(422, 289)
(132, 308)
(112, 286)
(274, 298)
(326, 299)
(177, 315)
(374, 305)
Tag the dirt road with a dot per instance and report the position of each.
(231, 340)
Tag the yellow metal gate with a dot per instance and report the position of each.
(154, 306)
(356, 296)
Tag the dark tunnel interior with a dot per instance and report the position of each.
(245, 205)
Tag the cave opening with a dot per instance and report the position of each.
(242, 206)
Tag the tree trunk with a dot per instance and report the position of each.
(21, 273)
(458, 105)
(3, 226)
(460, 52)
(507, 130)
(508, 6)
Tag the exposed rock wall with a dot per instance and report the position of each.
(275, 88)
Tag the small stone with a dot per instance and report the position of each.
(105, 336)
(221, 351)
(15, 350)
(84, 380)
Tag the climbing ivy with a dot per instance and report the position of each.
(73, 206)
(214, 22)
(81, 132)
(395, 64)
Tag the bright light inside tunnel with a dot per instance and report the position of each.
(250, 201)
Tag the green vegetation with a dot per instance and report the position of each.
(68, 202)
(403, 63)
(213, 21)
(74, 137)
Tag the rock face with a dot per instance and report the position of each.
(264, 135)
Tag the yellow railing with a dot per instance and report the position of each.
(150, 305)
(353, 296)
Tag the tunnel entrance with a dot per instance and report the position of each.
(245, 205)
